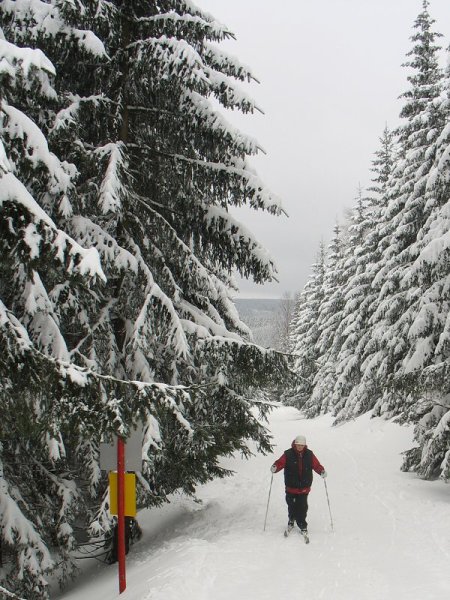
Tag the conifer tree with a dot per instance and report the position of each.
(347, 330)
(426, 362)
(36, 377)
(40, 385)
(152, 170)
(305, 333)
(328, 322)
(360, 294)
(382, 166)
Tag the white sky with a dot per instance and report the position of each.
(330, 73)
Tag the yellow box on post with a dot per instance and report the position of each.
(130, 494)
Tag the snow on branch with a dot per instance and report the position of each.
(9, 594)
(182, 24)
(230, 312)
(226, 63)
(197, 270)
(81, 260)
(144, 331)
(109, 401)
(18, 531)
(44, 19)
(433, 432)
(112, 255)
(15, 61)
(200, 108)
(172, 58)
(434, 250)
(17, 126)
(243, 247)
(112, 189)
(66, 117)
(229, 94)
(252, 189)
(41, 320)
(15, 332)
(201, 325)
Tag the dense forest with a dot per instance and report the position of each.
(371, 328)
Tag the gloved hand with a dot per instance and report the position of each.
(273, 468)
(323, 474)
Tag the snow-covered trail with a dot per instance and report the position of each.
(391, 530)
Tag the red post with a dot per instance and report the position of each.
(120, 512)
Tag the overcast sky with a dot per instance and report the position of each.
(330, 75)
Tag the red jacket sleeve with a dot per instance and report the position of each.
(316, 465)
(280, 463)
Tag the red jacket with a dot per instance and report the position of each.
(281, 462)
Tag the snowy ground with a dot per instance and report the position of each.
(391, 537)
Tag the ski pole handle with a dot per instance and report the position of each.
(268, 500)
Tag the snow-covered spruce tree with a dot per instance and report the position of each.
(382, 166)
(158, 168)
(34, 254)
(406, 214)
(344, 330)
(397, 230)
(45, 399)
(426, 364)
(361, 260)
(305, 334)
(328, 322)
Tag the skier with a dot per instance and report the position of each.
(298, 463)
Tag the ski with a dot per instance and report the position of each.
(305, 536)
(303, 533)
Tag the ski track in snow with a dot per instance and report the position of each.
(390, 539)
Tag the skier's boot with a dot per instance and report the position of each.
(305, 535)
(289, 528)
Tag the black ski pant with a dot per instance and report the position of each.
(297, 509)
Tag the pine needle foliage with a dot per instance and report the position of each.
(118, 178)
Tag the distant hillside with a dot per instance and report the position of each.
(259, 315)
(254, 306)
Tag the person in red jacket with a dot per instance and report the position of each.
(298, 463)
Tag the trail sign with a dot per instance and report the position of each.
(133, 452)
(122, 455)
(130, 494)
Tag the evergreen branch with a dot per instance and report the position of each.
(183, 246)
(219, 167)
(151, 109)
(227, 63)
(100, 321)
(128, 382)
(144, 201)
(9, 594)
(217, 30)
(433, 403)
(171, 113)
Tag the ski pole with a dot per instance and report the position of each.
(268, 500)
(329, 508)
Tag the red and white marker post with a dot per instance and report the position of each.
(121, 513)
